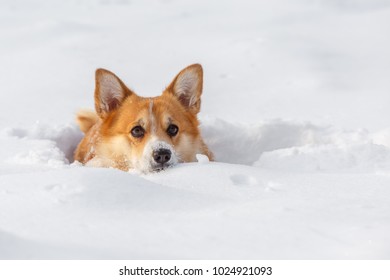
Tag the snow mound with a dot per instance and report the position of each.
(328, 158)
(296, 146)
(40, 144)
(273, 144)
(212, 210)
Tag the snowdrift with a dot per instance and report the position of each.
(282, 196)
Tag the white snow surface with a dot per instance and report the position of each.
(295, 108)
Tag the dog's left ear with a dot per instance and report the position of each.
(187, 87)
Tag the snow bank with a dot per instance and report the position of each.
(273, 144)
(293, 146)
(208, 210)
(263, 204)
(44, 143)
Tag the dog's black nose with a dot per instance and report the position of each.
(162, 156)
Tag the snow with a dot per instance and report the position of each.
(294, 108)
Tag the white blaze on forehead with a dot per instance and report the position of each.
(152, 118)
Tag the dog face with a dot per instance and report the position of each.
(148, 134)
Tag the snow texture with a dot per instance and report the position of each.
(295, 109)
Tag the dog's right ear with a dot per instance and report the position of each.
(187, 87)
(110, 92)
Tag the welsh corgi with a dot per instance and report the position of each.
(147, 134)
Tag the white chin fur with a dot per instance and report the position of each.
(147, 164)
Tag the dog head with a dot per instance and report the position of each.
(149, 134)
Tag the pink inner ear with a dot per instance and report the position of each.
(184, 100)
(112, 104)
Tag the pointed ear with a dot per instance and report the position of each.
(187, 87)
(110, 92)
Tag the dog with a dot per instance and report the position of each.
(146, 134)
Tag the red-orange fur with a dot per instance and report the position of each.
(107, 133)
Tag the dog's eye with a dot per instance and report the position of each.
(137, 131)
(172, 130)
